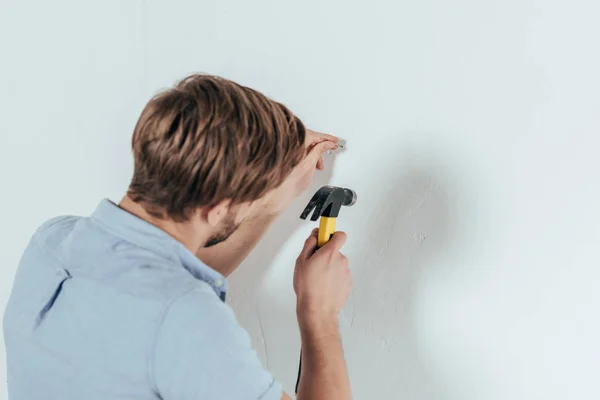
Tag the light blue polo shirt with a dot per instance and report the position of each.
(111, 307)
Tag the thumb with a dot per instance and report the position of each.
(310, 245)
(335, 243)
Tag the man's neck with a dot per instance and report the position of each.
(184, 232)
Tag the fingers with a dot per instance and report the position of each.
(314, 136)
(320, 164)
(316, 152)
(313, 141)
(336, 242)
(310, 245)
(344, 260)
(330, 137)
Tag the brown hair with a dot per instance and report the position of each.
(209, 139)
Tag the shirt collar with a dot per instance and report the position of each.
(143, 234)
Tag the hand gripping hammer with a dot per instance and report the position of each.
(326, 203)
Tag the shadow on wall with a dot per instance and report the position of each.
(407, 231)
(407, 228)
(246, 296)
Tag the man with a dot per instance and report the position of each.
(118, 305)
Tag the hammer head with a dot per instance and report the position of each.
(327, 202)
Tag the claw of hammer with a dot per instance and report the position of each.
(326, 203)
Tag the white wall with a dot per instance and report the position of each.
(472, 133)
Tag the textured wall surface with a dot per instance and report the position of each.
(473, 130)
(473, 135)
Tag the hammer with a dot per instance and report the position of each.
(327, 203)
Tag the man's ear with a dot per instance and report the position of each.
(215, 214)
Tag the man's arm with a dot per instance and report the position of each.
(324, 374)
(322, 283)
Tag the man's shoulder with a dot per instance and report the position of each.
(55, 228)
(60, 221)
(201, 311)
(89, 251)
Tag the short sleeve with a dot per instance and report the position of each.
(202, 352)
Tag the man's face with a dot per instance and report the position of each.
(233, 219)
(226, 229)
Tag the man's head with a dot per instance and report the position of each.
(207, 148)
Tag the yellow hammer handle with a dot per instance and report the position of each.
(326, 230)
